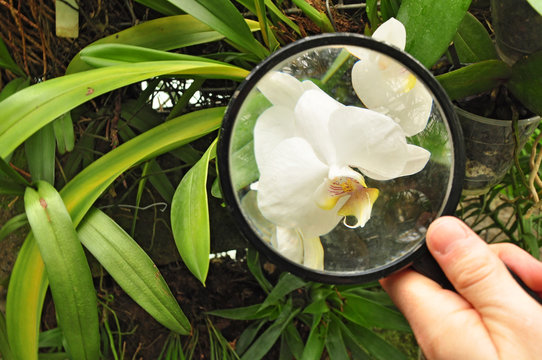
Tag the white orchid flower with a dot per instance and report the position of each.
(311, 152)
(384, 85)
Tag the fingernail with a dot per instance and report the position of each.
(444, 233)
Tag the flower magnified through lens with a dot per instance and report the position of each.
(313, 154)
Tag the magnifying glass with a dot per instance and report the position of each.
(335, 155)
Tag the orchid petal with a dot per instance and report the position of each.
(369, 141)
(273, 125)
(387, 87)
(313, 112)
(287, 185)
(417, 159)
(313, 256)
(289, 244)
(281, 88)
(359, 205)
(391, 32)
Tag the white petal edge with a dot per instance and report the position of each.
(313, 256)
(281, 88)
(289, 244)
(417, 159)
(391, 32)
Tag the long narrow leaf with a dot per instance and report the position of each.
(167, 33)
(286, 284)
(132, 269)
(190, 217)
(5, 349)
(13, 224)
(7, 62)
(13, 86)
(222, 16)
(67, 270)
(40, 154)
(28, 280)
(32, 108)
(64, 134)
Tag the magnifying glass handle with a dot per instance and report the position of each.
(428, 266)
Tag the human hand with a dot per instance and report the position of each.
(490, 316)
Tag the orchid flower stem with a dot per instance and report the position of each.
(336, 66)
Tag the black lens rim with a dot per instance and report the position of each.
(224, 142)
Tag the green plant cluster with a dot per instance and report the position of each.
(38, 123)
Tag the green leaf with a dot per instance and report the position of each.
(265, 342)
(295, 343)
(316, 341)
(24, 301)
(251, 312)
(526, 82)
(102, 55)
(13, 86)
(472, 41)
(372, 13)
(474, 79)
(51, 338)
(40, 154)
(160, 181)
(249, 4)
(28, 281)
(32, 108)
(223, 17)
(371, 314)
(64, 134)
(7, 62)
(253, 263)
(320, 19)
(13, 224)
(372, 343)
(335, 346)
(67, 270)
(190, 217)
(248, 335)
(537, 5)
(167, 33)
(286, 284)
(132, 269)
(5, 350)
(162, 6)
(13, 175)
(430, 26)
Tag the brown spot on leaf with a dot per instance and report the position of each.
(90, 91)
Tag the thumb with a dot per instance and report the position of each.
(476, 272)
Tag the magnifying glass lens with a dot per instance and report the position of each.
(339, 156)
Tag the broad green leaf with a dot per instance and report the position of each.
(248, 335)
(40, 154)
(537, 5)
(430, 26)
(265, 342)
(371, 314)
(335, 346)
(190, 217)
(132, 269)
(371, 342)
(251, 312)
(320, 19)
(316, 341)
(526, 82)
(474, 79)
(295, 343)
(223, 17)
(13, 86)
(286, 284)
(389, 9)
(28, 280)
(472, 41)
(67, 270)
(30, 109)
(64, 134)
(13, 224)
(5, 350)
(167, 33)
(7, 62)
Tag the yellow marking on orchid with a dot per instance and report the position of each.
(410, 83)
(359, 205)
